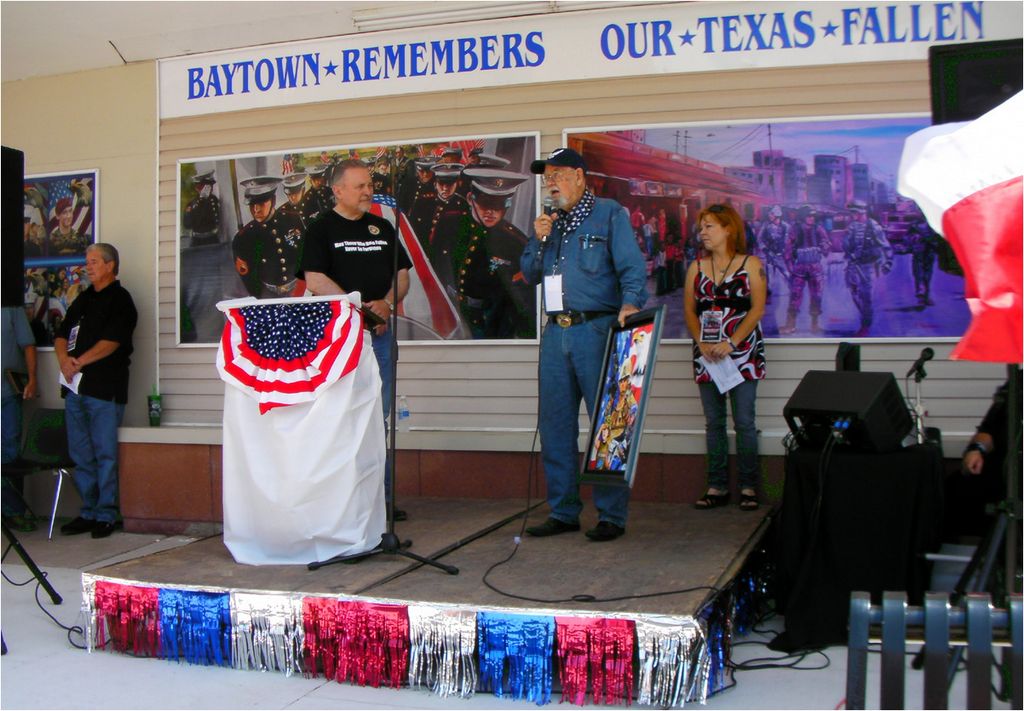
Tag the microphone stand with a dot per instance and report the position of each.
(389, 541)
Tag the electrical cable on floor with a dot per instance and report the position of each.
(582, 598)
(73, 629)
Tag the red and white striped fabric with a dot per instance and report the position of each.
(426, 303)
(966, 178)
(287, 351)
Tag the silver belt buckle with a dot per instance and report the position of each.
(563, 320)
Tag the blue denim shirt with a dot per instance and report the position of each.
(600, 262)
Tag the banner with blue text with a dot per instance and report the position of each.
(652, 39)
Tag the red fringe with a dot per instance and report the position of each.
(362, 642)
(128, 617)
(599, 651)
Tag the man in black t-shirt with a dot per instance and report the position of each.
(349, 249)
(94, 347)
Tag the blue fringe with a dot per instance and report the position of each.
(196, 627)
(523, 645)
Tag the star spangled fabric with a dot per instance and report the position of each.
(303, 482)
(966, 177)
(287, 351)
(426, 303)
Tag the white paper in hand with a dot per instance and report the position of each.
(723, 372)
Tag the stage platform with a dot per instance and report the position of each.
(668, 548)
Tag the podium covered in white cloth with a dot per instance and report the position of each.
(304, 443)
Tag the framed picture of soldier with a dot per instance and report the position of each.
(618, 422)
(60, 222)
(846, 256)
(461, 206)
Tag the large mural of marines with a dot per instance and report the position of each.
(462, 208)
(846, 256)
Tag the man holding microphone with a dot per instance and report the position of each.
(586, 256)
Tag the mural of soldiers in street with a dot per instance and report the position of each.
(805, 250)
(868, 254)
(842, 170)
(266, 200)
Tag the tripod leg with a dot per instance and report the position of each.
(31, 565)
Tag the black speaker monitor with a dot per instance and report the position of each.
(848, 356)
(968, 80)
(12, 292)
(871, 402)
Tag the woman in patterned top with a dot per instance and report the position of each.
(724, 297)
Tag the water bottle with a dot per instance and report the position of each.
(403, 414)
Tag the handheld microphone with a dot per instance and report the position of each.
(918, 367)
(549, 205)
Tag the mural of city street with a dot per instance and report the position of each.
(847, 257)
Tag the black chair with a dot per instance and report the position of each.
(45, 448)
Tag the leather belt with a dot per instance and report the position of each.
(574, 318)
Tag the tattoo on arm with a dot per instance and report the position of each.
(763, 275)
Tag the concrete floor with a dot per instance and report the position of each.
(43, 670)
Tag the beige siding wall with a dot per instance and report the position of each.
(103, 119)
(466, 394)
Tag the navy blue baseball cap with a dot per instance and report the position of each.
(559, 158)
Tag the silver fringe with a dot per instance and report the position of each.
(267, 632)
(442, 650)
(674, 662)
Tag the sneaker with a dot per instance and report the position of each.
(605, 531)
(76, 526)
(552, 527)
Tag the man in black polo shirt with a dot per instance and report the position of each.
(93, 347)
(349, 249)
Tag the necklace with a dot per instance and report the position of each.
(714, 278)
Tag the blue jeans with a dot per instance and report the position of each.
(92, 442)
(384, 350)
(743, 398)
(11, 431)
(570, 369)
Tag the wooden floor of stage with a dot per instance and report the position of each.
(667, 547)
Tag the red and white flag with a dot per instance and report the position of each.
(427, 304)
(287, 351)
(966, 178)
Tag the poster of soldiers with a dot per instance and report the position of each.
(59, 223)
(462, 208)
(846, 256)
(628, 368)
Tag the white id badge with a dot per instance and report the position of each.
(72, 339)
(711, 326)
(553, 293)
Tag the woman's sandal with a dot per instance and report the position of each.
(711, 501)
(749, 502)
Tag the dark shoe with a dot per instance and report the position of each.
(605, 531)
(102, 529)
(711, 501)
(749, 502)
(552, 527)
(400, 515)
(76, 526)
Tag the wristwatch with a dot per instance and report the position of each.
(391, 306)
(976, 447)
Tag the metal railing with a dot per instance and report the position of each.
(977, 626)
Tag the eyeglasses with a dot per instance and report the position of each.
(557, 175)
